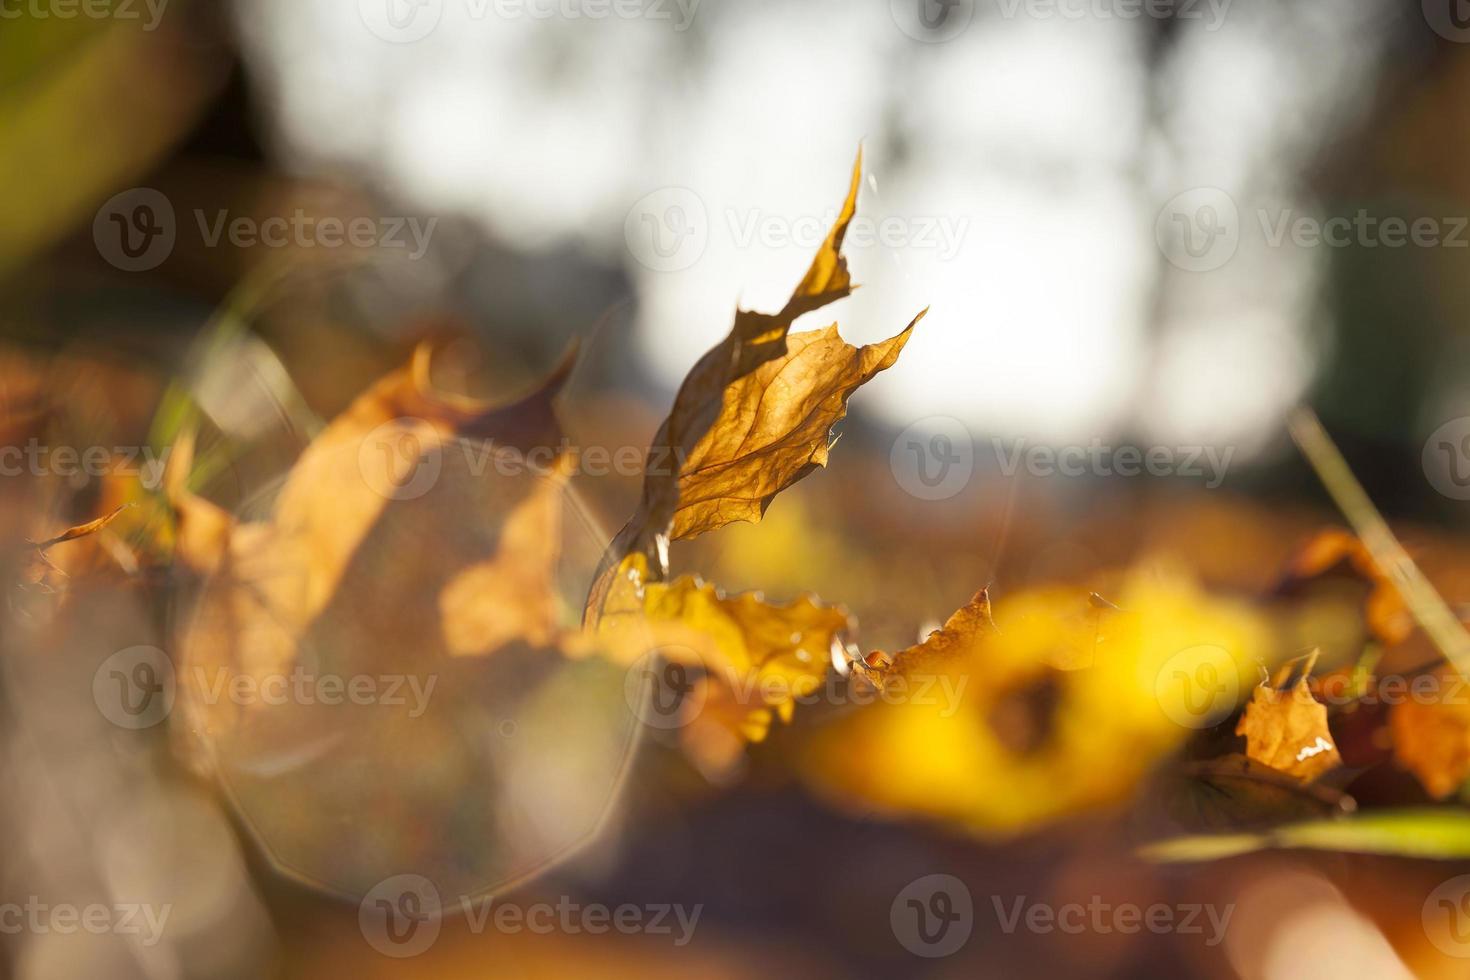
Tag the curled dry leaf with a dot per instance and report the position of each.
(938, 651)
(1431, 737)
(752, 417)
(753, 660)
(1285, 727)
(1386, 613)
(39, 572)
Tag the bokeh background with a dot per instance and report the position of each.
(1087, 197)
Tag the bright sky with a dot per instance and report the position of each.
(1014, 164)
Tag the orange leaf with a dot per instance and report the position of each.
(1286, 728)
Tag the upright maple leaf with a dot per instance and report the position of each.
(753, 416)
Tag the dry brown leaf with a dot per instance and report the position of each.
(512, 595)
(39, 572)
(270, 580)
(773, 428)
(1431, 738)
(1233, 792)
(958, 638)
(753, 660)
(1386, 614)
(1286, 728)
(752, 417)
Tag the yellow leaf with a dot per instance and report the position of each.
(753, 660)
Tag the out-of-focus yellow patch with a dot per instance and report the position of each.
(1064, 707)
